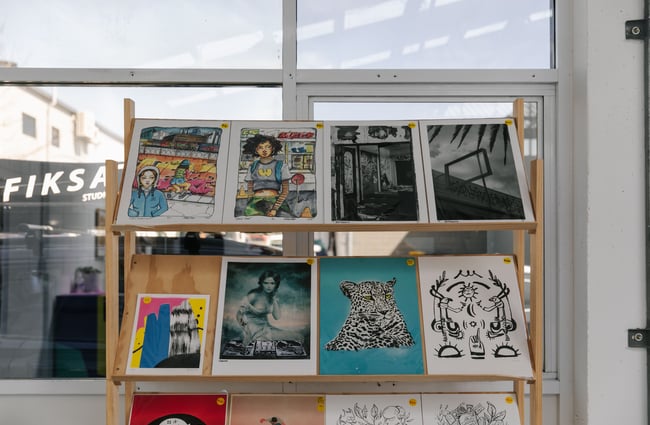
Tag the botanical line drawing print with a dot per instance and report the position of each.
(471, 414)
(389, 415)
(374, 320)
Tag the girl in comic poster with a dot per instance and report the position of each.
(267, 178)
(146, 199)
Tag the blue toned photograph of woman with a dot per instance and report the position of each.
(257, 306)
(267, 178)
(267, 311)
(146, 199)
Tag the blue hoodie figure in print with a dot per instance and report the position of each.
(146, 200)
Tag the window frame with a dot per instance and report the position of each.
(300, 89)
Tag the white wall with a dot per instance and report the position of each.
(608, 218)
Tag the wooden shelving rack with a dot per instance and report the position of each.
(143, 271)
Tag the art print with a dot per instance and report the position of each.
(274, 172)
(369, 316)
(177, 409)
(175, 173)
(375, 409)
(374, 172)
(268, 313)
(284, 409)
(475, 171)
(473, 316)
(479, 408)
(168, 335)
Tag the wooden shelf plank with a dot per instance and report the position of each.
(338, 227)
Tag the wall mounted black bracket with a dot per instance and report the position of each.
(636, 30)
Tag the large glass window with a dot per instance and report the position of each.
(425, 34)
(403, 243)
(52, 215)
(143, 34)
(51, 178)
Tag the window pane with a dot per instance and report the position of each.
(52, 214)
(90, 119)
(142, 34)
(29, 125)
(409, 243)
(426, 243)
(440, 34)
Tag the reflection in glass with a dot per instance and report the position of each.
(426, 34)
(87, 122)
(52, 214)
(144, 34)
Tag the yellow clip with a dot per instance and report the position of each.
(411, 125)
(319, 125)
(310, 261)
(224, 125)
(410, 262)
(507, 260)
(509, 400)
(508, 121)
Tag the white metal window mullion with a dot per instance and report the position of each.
(293, 243)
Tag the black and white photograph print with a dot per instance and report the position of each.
(473, 316)
(374, 172)
(266, 321)
(475, 171)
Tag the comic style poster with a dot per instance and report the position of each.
(175, 173)
(475, 171)
(168, 336)
(281, 409)
(266, 323)
(274, 172)
(369, 316)
(474, 408)
(376, 409)
(178, 409)
(374, 172)
(473, 316)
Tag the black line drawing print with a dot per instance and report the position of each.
(470, 309)
(374, 320)
(503, 322)
(389, 415)
(471, 414)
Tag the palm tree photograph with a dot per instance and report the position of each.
(476, 171)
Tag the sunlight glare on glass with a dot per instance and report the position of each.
(425, 34)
